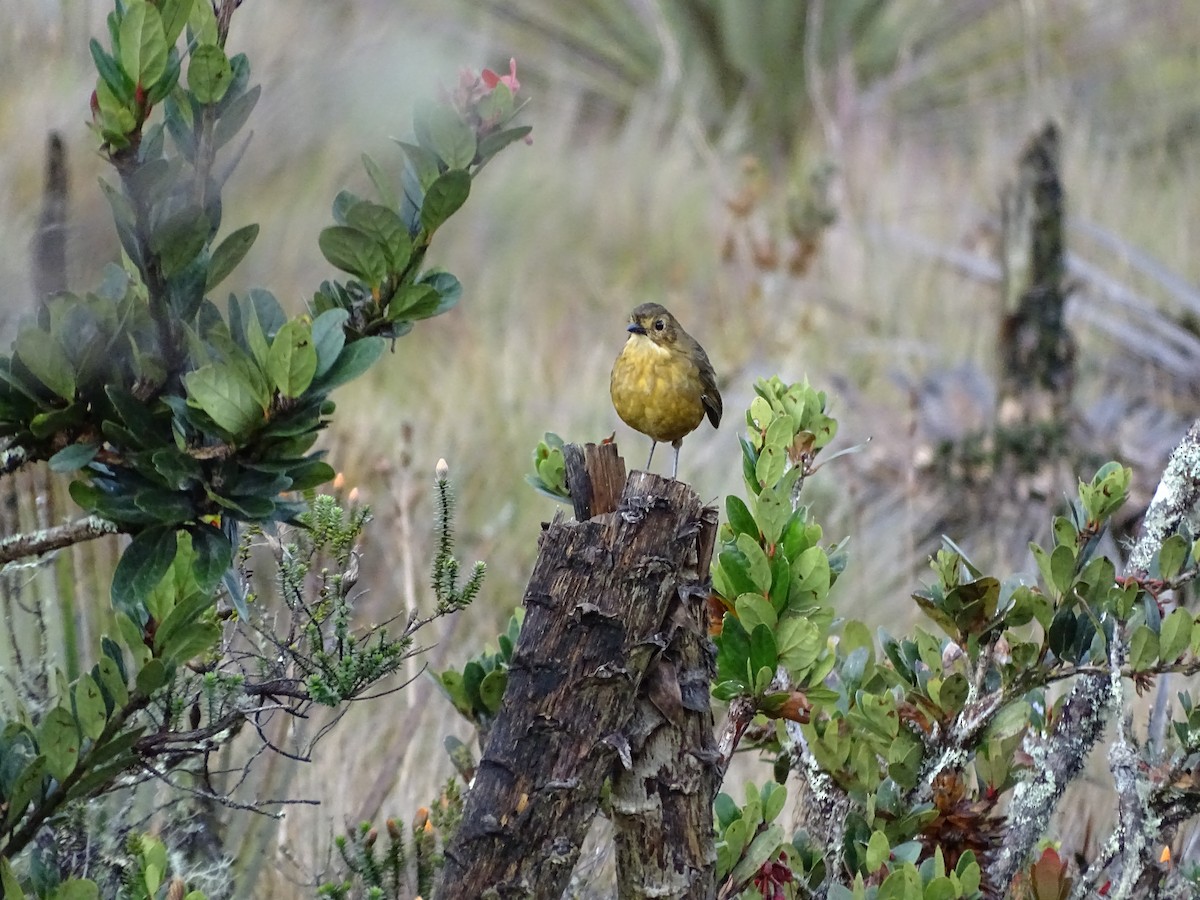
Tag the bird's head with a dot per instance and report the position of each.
(653, 321)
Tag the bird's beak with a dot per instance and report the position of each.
(635, 328)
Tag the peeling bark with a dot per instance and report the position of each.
(661, 804)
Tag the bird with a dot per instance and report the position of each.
(662, 383)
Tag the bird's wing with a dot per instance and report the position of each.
(711, 398)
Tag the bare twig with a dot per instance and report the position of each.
(36, 543)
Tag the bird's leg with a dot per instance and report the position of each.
(653, 444)
(675, 470)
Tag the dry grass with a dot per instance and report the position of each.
(563, 237)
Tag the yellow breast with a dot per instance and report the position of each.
(656, 390)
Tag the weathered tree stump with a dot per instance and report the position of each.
(1037, 349)
(611, 599)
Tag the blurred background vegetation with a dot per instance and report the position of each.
(812, 187)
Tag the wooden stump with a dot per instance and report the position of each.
(611, 599)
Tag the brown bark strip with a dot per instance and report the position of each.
(597, 614)
(662, 803)
(595, 477)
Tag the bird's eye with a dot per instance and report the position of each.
(659, 324)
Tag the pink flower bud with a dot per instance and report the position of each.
(491, 79)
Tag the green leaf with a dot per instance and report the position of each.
(385, 227)
(763, 650)
(414, 301)
(493, 143)
(78, 889)
(759, 566)
(203, 22)
(343, 203)
(1143, 648)
(810, 572)
(174, 16)
(904, 760)
(799, 643)
(106, 764)
(764, 846)
(451, 683)
(1009, 721)
(229, 253)
(199, 640)
(774, 796)
(112, 679)
(234, 115)
(292, 362)
(444, 198)
(123, 219)
(353, 361)
(142, 566)
(310, 474)
(355, 252)
(133, 413)
(753, 610)
(46, 359)
(72, 457)
(8, 881)
(446, 285)
(780, 433)
(472, 677)
(1172, 556)
(179, 627)
(1174, 635)
(25, 787)
(179, 239)
(902, 884)
(165, 506)
(423, 165)
(773, 510)
(770, 466)
(212, 555)
(491, 689)
(45, 424)
(143, 43)
(112, 76)
(329, 336)
(382, 183)
(89, 707)
(256, 338)
(227, 396)
(209, 73)
(152, 137)
(1062, 567)
(740, 519)
(58, 741)
(151, 677)
(878, 851)
(726, 810)
(733, 650)
(134, 639)
(440, 130)
(177, 468)
(251, 508)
